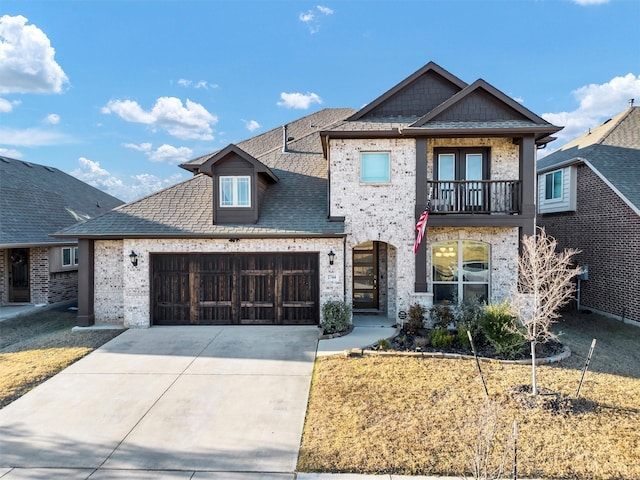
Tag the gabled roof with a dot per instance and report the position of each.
(502, 107)
(258, 166)
(38, 200)
(432, 102)
(432, 79)
(611, 150)
(295, 206)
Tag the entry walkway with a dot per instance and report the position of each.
(368, 329)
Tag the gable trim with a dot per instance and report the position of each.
(258, 166)
(431, 66)
(481, 84)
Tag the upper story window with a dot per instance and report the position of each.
(235, 191)
(375, 167)
(553, 185)
(69, 256)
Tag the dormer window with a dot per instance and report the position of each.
(235, 191)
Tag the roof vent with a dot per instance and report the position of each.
(28, 164)
(50, 169)
(5, 160)
(631, 101)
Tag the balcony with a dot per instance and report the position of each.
(476, 197)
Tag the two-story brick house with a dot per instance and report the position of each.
(325, 208)
(588, 199)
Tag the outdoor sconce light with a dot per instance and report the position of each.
(134, 258)
(332, 256)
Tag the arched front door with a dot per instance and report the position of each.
(365, 276)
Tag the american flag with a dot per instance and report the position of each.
(421, 226)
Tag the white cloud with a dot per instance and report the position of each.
(5, 106)
(188, 121)
(298, 101)
(133, 187)
(52, 119)
(31, 137)
(10, 152)
(589, 2)
(311, 19)
(325, 10)
(165, 153)
(27, 63)
(199, 84)
(596, 103)
(251, 125)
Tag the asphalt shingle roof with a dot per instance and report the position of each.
(37, 200)
(613, 149)
(294, 206)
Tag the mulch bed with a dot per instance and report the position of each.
(405, 341)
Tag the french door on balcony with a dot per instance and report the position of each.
(460, 173)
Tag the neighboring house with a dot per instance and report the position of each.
(35, 201)
(589, 199)
(325, 208)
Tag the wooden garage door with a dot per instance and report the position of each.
(226, 289)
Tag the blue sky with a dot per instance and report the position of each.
(117, 93)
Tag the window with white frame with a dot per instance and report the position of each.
(553, 185)
(69, 256)
(460, 271)
(235, 191)
(375, 167)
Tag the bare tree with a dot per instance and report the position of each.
(485, 456)
(545, 285)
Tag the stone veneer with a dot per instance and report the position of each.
(122, 291)
(386, 213)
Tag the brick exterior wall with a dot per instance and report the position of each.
(504, 155)
(608, 232)
(63, 286)
(39, 274)
(385, 213)
(4, 277)
(122, 291)
(503, 251)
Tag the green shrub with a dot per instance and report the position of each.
(335, 316)
(383, 344)
(462, 338)
(441, 338)
(441, 315)
(498, 325)
(468, 316)
(416, 318)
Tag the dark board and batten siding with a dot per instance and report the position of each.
(235, 289)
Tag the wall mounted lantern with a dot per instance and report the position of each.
(134, 258)
(332, 256)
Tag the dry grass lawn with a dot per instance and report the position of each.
(34, 348)
(419, 416)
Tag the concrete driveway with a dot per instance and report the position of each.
(168, 402)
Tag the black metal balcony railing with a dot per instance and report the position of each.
(476, 196)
